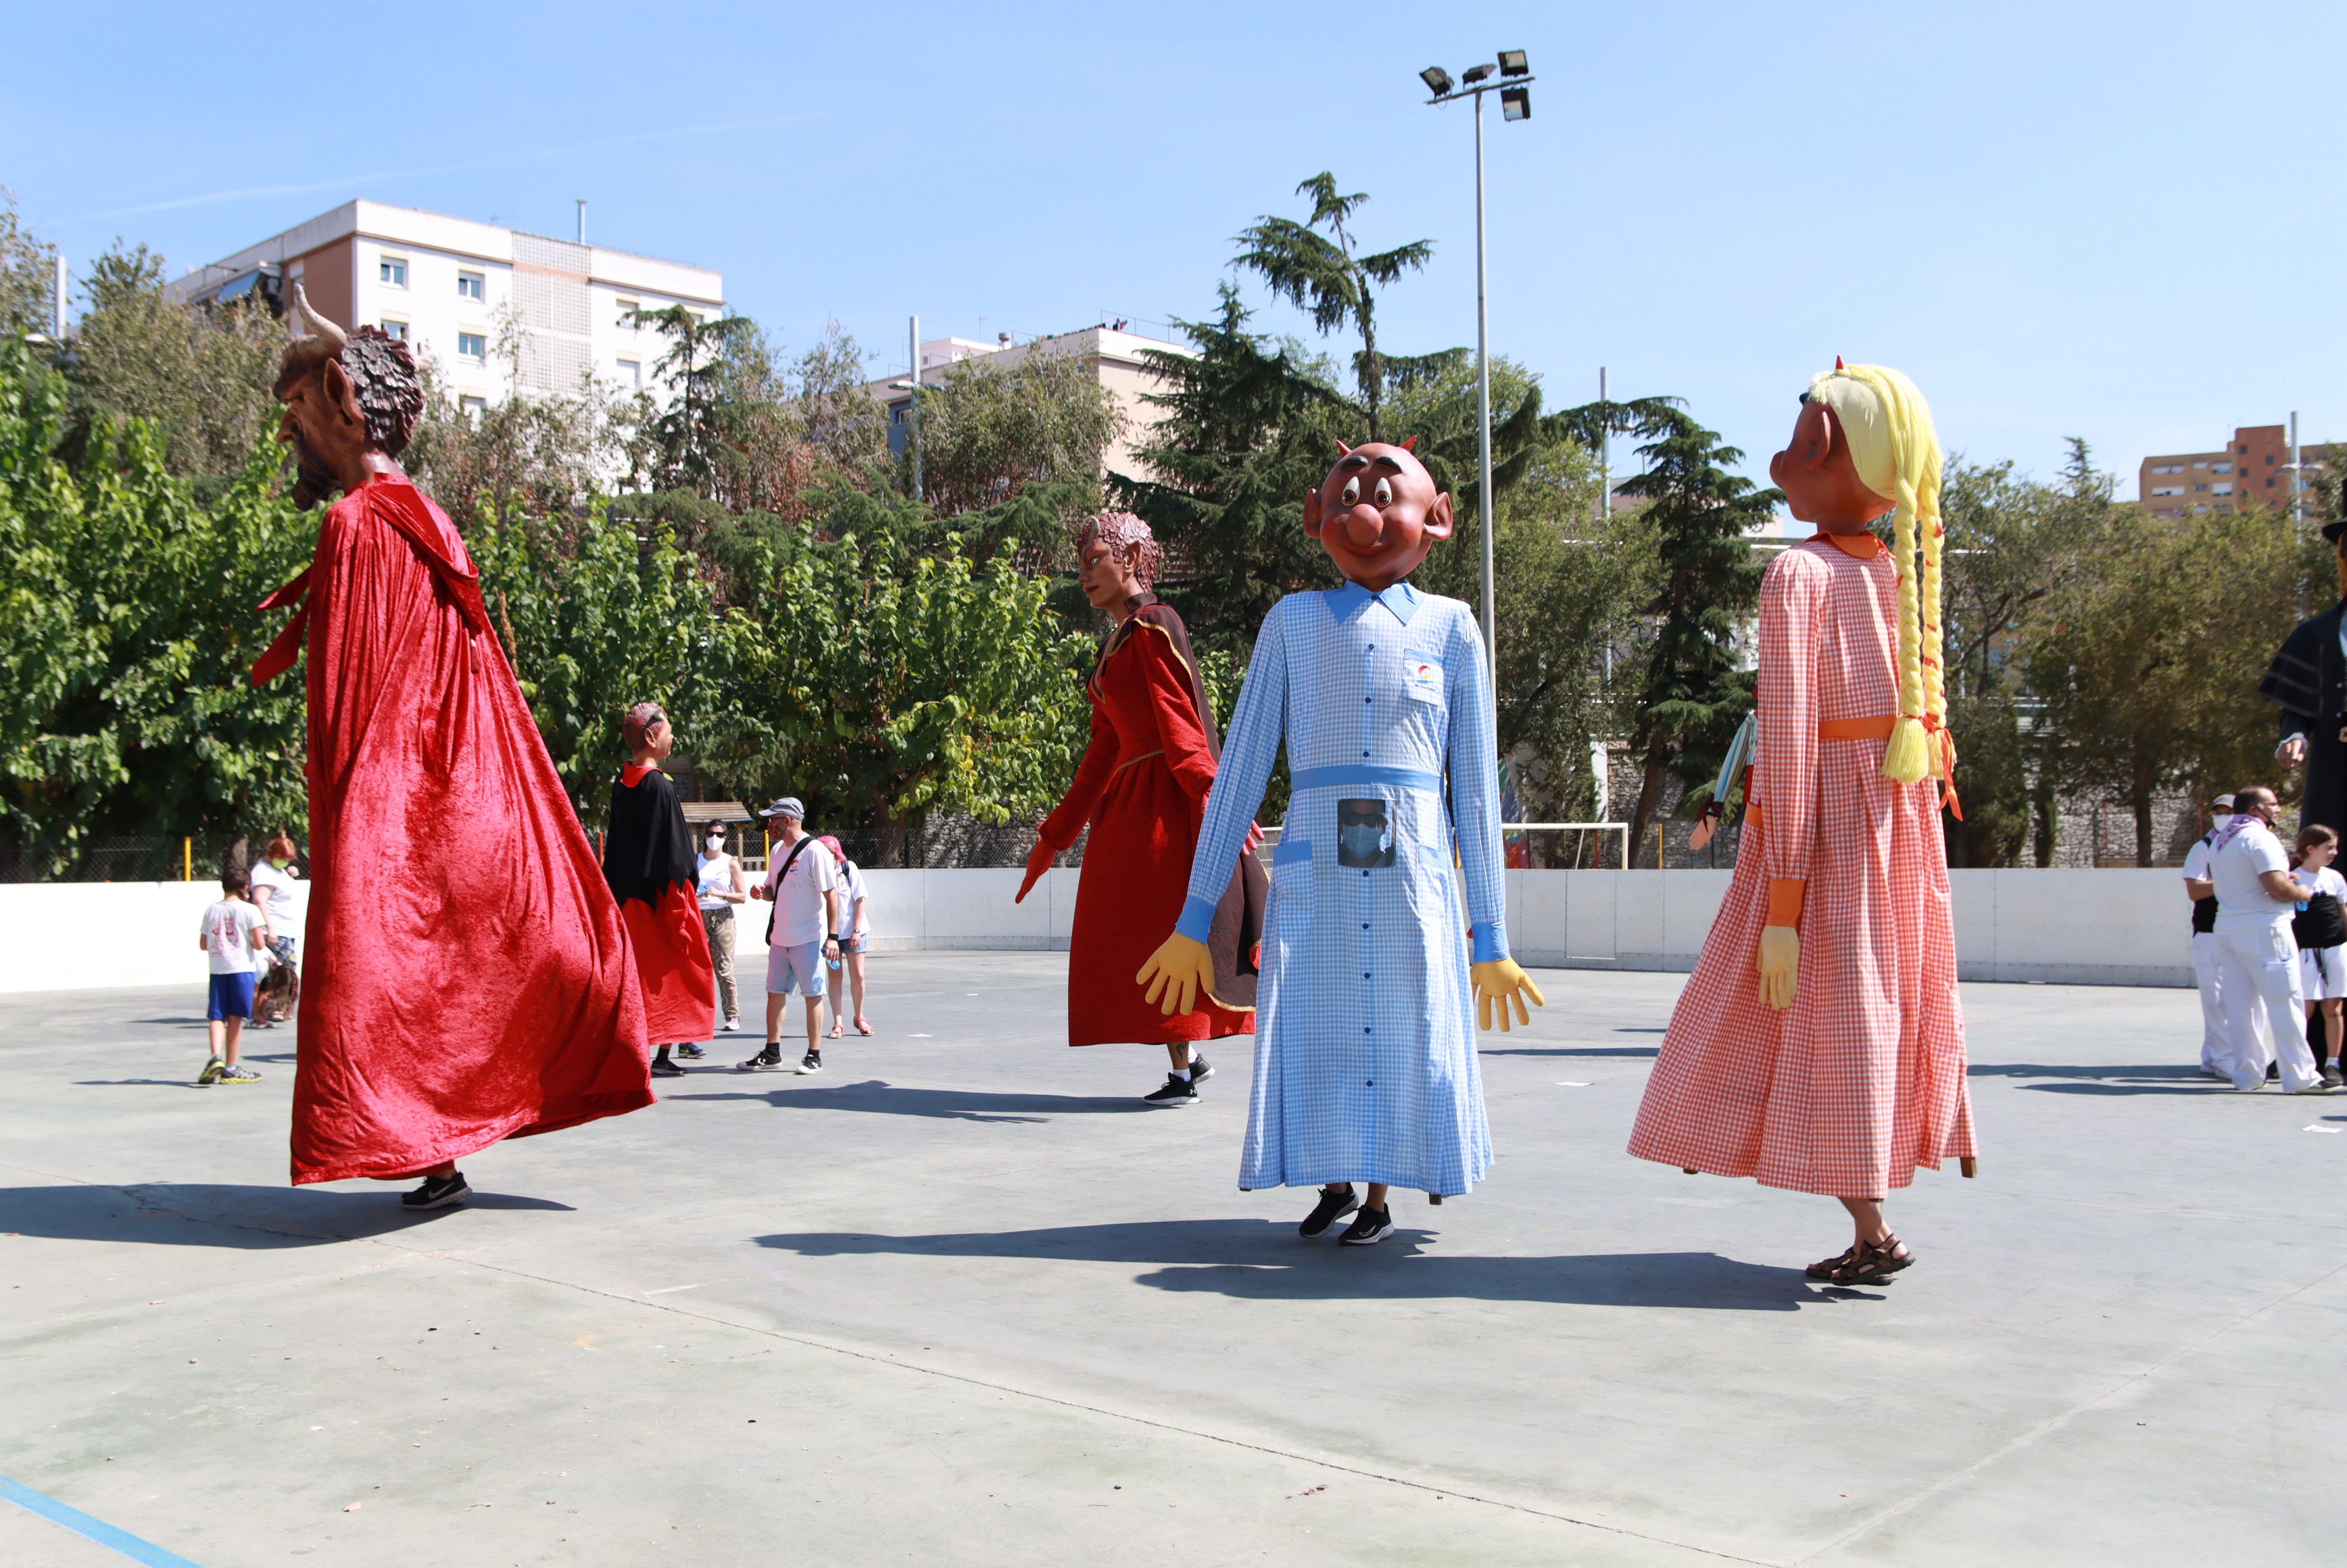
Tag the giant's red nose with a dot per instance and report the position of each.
(1363, 527)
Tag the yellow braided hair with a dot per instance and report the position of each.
(1896, 451)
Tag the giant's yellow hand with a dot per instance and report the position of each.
(1779, 961)
(1503, 980)
(1181, 971)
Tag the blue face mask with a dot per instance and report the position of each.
(1362, 840)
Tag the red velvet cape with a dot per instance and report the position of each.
(467, 977)
(1142, 785)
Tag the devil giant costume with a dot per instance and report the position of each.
(2307, 681)
(468, 978)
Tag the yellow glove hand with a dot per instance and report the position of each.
(1778, 962)
(1180, 969)
(1503, 980)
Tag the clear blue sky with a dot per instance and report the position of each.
(2117, 220)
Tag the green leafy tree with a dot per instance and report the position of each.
(27, 276)
(596, 619)
(896, 684)
(990, 432)
(126, 630)
(1696, 687)
(1322, 275)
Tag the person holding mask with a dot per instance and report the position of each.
(2255, 899)
(722, 886)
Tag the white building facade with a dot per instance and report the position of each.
(496, 311)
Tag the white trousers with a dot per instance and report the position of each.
(2206, 976)
(2265, 1011)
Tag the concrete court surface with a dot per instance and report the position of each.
(961, 1300)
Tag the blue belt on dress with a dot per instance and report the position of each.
(1365, 774)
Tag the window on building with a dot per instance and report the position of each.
(2220, 468)
(473, 409)
(474, 346)
(2270, 484)
(2171, 489)
(2223, 487)
(393, 270)
(625, 306)
(2199, 464)
(2245, 451)
(2269, 460)
(472, 286)
(392, 327)
(631, 373)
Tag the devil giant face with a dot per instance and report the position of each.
(1378, 514)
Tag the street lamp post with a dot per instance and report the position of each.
(1515, 103)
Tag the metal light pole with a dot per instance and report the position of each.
(913, 407)
(1515, 103)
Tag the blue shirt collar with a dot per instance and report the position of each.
(1352, 599)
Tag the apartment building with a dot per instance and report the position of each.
(1112, 355)
(496, 311)
(2253, 471)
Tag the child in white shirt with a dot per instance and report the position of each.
(2321, 927)
(233, 937)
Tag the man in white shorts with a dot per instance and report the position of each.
(803, 882)
(2265, 1012)
(2203, 894)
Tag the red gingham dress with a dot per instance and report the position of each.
(1863, 1079)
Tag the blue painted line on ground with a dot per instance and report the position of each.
(97, 1530)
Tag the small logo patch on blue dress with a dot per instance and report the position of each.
(1423, 677)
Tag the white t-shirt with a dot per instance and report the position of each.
(2195, 861)
(228, 945)
(2326, 880)
(716, 879)
(279, 895)
(851, 898)
(2242, 902)
(798, 904)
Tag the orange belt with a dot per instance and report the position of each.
(1874, 727)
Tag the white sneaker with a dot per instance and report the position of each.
(732, 1026)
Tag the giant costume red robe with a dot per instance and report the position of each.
(466, 976)
(1863, 1079)
(1142, 784)
(648, 865)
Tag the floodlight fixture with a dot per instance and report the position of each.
(1477, 73)
(1437, 80)
(1515, 103)
(1514, 64)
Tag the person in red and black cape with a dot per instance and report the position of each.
(648, 862)
(468, 978)
(1142, 785)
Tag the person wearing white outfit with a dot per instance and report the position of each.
(2321, 932)
(2214, 1055)
(2255, 899)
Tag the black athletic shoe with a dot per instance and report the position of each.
(691, 1053)
(811, 1062)
(1369, 1227)
(1177, 1091)
(766, 1060)
(438, 1193)
(663, 1068)
(1332, 1207)
(1201, 1069)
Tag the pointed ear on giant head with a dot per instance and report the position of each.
(341, 395)
(1312, 513)
(1439, 524)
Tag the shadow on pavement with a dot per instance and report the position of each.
(204, 1214)
(2161, 1079)
(878, 1096)
(1266, 1260)
(1645, 1051)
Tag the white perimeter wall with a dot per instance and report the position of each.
(2076, 928)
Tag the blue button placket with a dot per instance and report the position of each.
(1368, 894)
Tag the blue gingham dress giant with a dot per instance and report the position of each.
(1365, 1035)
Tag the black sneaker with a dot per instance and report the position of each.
(811, 1062)
(1177, 1091)
(691, 1053)
(438, 1193)
(663, 1068)
(766, 1060)
(1369, 1227)
(1201, 1069)
(1333, 1206)
(2331, 1075)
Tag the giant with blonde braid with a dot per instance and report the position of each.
(1896, 450)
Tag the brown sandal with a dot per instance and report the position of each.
(1874, 1263)
(1826, 1269)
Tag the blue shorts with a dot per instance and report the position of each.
(232, 996)
(798, 968)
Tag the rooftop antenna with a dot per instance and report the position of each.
(582, 219)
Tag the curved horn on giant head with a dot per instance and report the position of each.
(323, 340)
